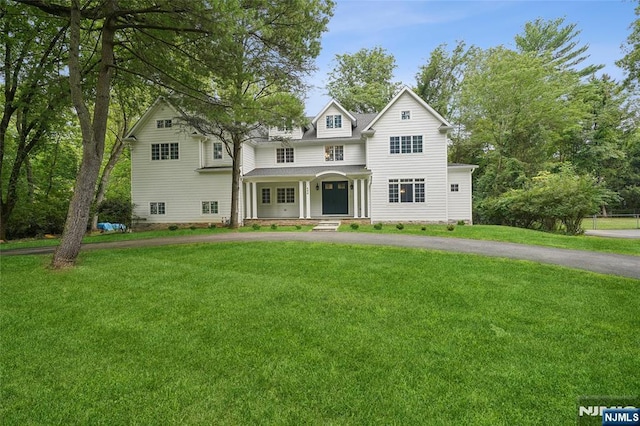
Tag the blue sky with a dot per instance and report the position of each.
(410, 30)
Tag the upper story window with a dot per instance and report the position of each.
(334, 153)
(217, 150)
(405, 144)
(455, 187)
(165, 151)
(163, 124)
(405, 115)
(334, 121)
(284, 155)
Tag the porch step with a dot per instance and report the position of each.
(327, 225)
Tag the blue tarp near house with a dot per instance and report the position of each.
(106, 226)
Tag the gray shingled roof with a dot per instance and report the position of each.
(311, 171)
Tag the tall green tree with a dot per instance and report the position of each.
(439, 80)
(557, 43)
(110, 37)
(515, 106)
(34, 91)
(268, 55)
(362, 82)
(631, 60)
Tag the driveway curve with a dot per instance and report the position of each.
(604, 263)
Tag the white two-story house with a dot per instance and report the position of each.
(385, 167)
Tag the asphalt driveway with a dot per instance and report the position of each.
(605, 263)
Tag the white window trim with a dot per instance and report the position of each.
(455, 187)
(262, 196)
(213, 147)
(159, 144)
(285, 188)
(157, 203)
(202, 213)
(408, 115)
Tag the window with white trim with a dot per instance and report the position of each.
(209, 207)
(165, 151)
(217, 150)
(407, 191)
(405, 144)
(163, 124)
(266, 196)
(157, 207)
(284, 155)
(405, 115)
(286, 195)
(334, 153)
(455, 187)
(334, 121)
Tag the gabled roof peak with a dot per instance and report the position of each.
(418, 99)
(338, 106)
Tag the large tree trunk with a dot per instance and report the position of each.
(93, 135)
(116, 152)
(235, 181)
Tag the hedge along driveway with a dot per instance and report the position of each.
(605, 263)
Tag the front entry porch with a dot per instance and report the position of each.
(326, 194)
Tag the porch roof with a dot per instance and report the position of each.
(307, 172)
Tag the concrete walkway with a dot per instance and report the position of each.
(605, 263)
(614, 233)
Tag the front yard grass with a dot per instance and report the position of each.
(511, 235)
(295, 333)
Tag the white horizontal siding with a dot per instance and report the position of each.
(324, 132)
(460, 202)
(309, 155)
(430, 165)
(295, 133)
(174, 182)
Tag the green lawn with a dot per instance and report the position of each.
(611, 223)
(512, 235)
(478, 232)
(294, 333)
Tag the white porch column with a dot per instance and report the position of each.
(356, 183)
(247, 205)
(307, 193)
(300, 201)
(362, 200)
(254, 200)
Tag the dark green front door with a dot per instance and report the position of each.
(335, 197)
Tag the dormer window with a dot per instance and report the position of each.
(405, 115)
(163, 124)
(334, 121)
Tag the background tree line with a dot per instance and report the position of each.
(554, 141)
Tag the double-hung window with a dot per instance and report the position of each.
(163, 124)
(217, 150)
(407, 191)
(266, 196)
(405, 144)
(284, 155)
(157, 207)
(165, 151)
(334, 153)
(286, 195)
(334, 121)
(209, 207)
